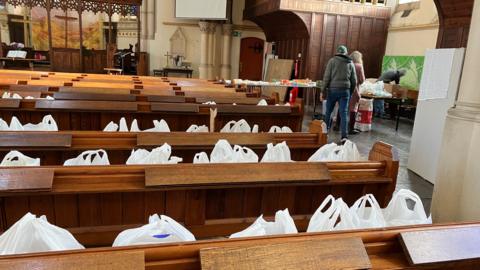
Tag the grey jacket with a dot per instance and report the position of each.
(340, 73)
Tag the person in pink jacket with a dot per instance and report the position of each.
(355, 99)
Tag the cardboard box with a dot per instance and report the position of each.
(396, 90)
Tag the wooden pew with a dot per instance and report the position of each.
(383, 247)
(53, 148)
(95, 115)
(96, 203)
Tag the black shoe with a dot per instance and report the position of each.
(353, 132)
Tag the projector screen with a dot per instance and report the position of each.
(201, 9)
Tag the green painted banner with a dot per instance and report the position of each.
(413, 65)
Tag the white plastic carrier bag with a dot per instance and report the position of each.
(111, 127)
(15, 124)
(278, 153)
(405, 208)
(17, 159)
(160, 229)
(222, 152)
(47, 124)
(197, 129)
(201, 158)
(159, 126)
(277, 129)
(123, 125)
(333, 152)
(159, 155)
(240, 126)
(4, 125)
(369, 213)
(283, 224)
(31, 235)
(262, 102)
(244, 155)
(335, 217)
(89, 158)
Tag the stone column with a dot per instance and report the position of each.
(211, 50)
(204, 34)
(456, 194)
(226, 68)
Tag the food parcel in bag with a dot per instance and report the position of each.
(31, 235)
(89, 158)
(283, 224)
(8, 95)
(278, 153)
(198, 129)
(368, 212)
(333, 152)
(223, 152)
(405, 208)
(376, 89)
(333, 215)
(159, 126)
(47, 124)
(159, 155)
(276, 129)
(239, 127)
(160, 229)
(17, 159)
(262, 102)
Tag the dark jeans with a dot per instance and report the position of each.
(342, 96)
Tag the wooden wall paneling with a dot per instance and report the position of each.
(233, 201)
(111, 208)
(215, 203)
(66, 209)
(252, 199)
(15, 208)
(133, 208)
(196, 204)
(89, 214)
(43, 205)
(175, 202)
(303, 197)
(154, 203)
(454, 19)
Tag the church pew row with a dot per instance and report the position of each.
(95, 115)
(383, 249)
(96, 203)
(53, 148)
(44, 89)
(99, 94)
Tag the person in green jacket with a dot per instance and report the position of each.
(340, 79)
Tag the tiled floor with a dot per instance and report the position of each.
(384, 130)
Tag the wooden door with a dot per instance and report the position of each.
(251, 59)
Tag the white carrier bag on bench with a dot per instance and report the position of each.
(278, 153)
(197, 129)
(277, 129)
(283, 224)
(159, 155)
(31, 235)
(47, 124)
(17, 159)
(398, 212)
(336, 217)
(89, 158)
(160, 229)
(240, 126)
(4, 125)
(368, 212)
(15, 124)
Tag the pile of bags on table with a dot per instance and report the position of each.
(375, 89)
(47, 124)
(31, 234)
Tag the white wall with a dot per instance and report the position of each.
(414, 34)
